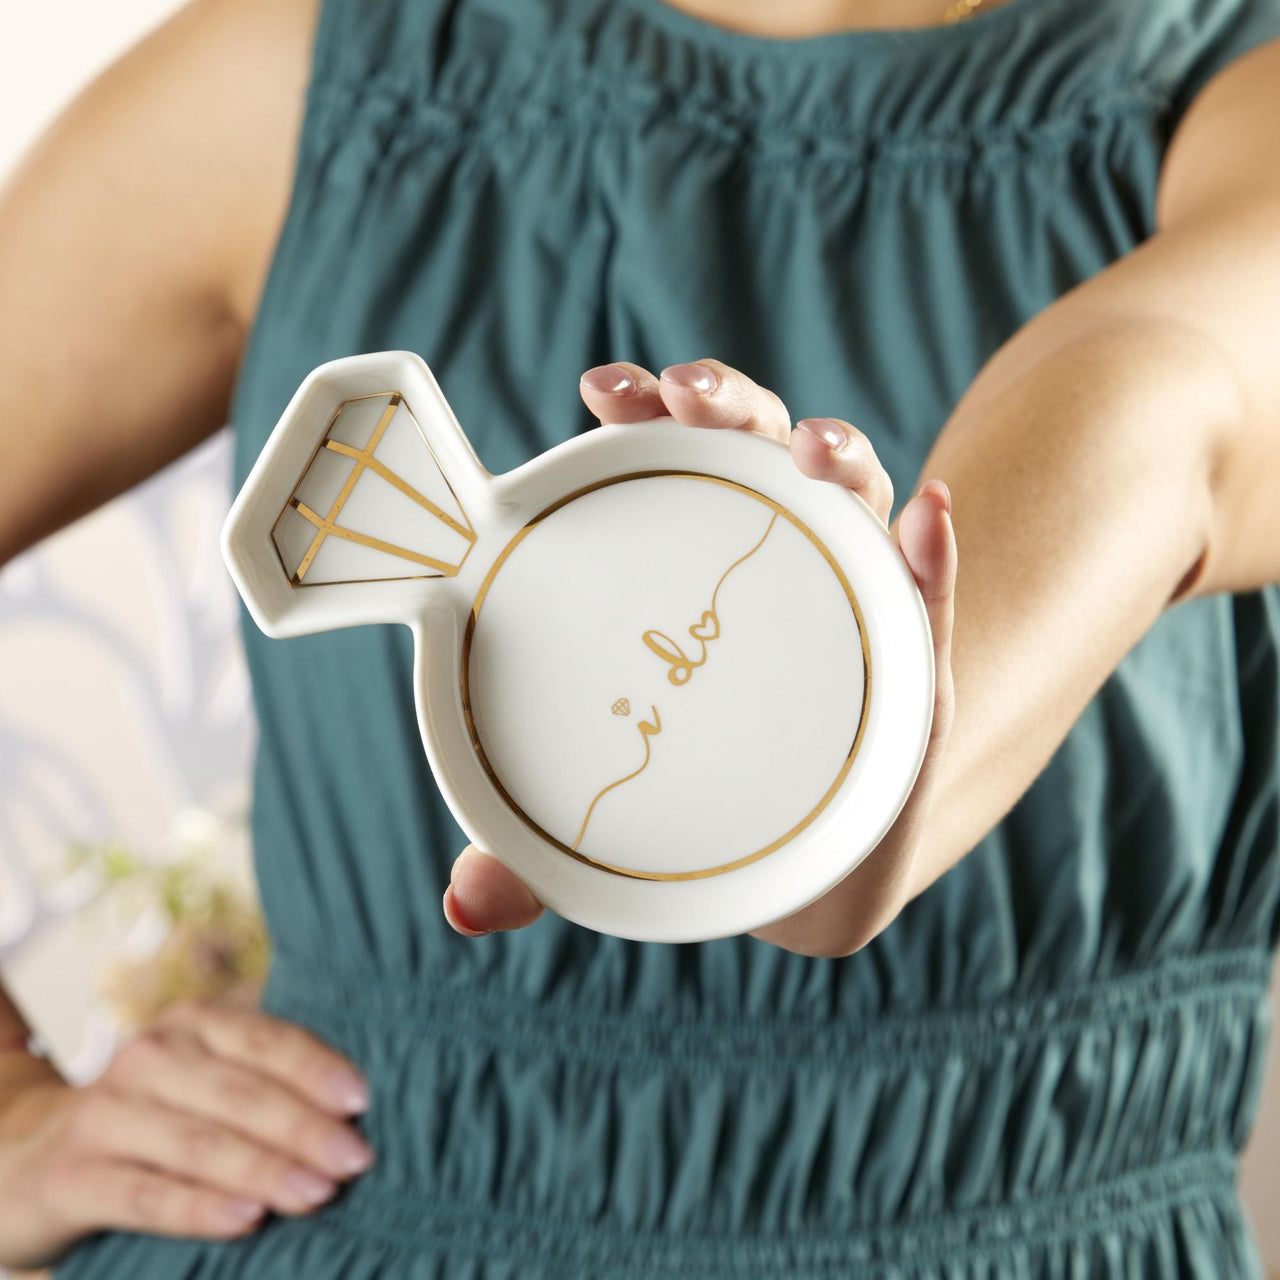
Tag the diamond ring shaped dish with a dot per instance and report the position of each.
(681, 689)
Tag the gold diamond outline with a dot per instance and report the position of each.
(365, 459)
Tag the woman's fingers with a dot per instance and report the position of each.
(276, 1048)
(187, 1132)
(96, 1195)
(928, 543)
(829, 449)
(199, 1151)
(171, 1066)
(484, 896)
(621, 392)
(864, 903)
(708, 393)
(702, 393)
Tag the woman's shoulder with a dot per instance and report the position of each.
(1175, 47)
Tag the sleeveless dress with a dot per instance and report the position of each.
(1047, 1066)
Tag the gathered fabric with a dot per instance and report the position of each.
(1046, 1067)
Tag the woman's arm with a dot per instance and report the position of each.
(133, 244)
(1120, 452)
(19, 1066)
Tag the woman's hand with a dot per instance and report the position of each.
(200, 1126)
(484, 895)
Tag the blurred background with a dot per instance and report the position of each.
(126, 728)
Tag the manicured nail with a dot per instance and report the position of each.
(944, 492)
(348, 1091)
(240, 1212)
(309, 1187)
(697, 377)
(828, 430)
(609, 377)
(348, 1153)
(456, 918)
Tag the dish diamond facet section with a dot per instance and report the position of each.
(373, 503)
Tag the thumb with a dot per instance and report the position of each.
(927, 540)
(484, 896)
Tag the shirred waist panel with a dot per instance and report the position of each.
(793, 1145)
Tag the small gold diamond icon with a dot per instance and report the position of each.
(622, 707)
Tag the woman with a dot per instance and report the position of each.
(1034, 255)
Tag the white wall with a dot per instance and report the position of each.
(130, 703)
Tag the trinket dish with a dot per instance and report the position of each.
(680, 688)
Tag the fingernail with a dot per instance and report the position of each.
(697, 377)
(609, 377)
(828, 430)
(457, 919)
(243, 1211)
(347, 1153)
(945, 492)
(348, 1091)
(309, 1187)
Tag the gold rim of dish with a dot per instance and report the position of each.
(510, 800)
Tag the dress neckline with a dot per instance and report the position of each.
(841, 42)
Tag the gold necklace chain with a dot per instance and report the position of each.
(962, 9)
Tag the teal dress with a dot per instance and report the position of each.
(1047, 1066)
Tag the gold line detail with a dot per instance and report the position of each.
(703, 632)
(786, 837)
(364, 459)
(376, 544)
(350, 483)
(680, 666)
(647, 730)
(348, 451)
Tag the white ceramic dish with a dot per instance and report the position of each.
(680, 688)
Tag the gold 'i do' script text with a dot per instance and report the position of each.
(647, 730)
(680, 665)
